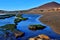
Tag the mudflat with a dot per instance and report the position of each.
(52, 19)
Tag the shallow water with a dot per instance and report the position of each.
(7, 21)
(23, 26)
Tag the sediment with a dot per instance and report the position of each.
(52, 20)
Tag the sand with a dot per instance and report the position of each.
(53, 20)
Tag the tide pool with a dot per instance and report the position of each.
(23, 26)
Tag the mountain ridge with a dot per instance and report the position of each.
(46, 6)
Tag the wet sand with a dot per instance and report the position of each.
(53, 20)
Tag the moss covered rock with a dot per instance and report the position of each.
(36, 27)
(9, 27)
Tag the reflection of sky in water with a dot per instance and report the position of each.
(23, 26)
(7, 21)
(33, 19)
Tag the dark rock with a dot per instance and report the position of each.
(18, 33)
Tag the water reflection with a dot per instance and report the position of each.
(23, 26)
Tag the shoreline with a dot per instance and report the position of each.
(52, 20)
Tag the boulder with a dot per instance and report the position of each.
(45, 37)
(40, 37)
(18, 33)
(37, 27)
(31, 38)
(32, 28)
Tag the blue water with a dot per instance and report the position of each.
(23, 26)
(7, 21)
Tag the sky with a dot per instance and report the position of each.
(10, 5)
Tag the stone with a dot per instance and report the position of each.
(18, 33)
(45, 37)
(40, 37)
(32, 39)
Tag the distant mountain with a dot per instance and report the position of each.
(51, 6)
(3, 11)
(46, 7)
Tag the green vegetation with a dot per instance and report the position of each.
(19, 15)
(10, 27)
(19, 18)
(13, 26)
(36, 27)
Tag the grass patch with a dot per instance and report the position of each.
(19, 18)
(10, 27)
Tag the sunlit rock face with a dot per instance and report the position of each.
(32, 39)
(40, 37)
(7, 35)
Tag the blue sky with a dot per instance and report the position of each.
(22, 4)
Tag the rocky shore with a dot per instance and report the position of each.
(13, 28)
(51, 19)
(40, 37)
(18, 33)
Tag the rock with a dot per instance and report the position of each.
(18, 33)
(35, 39)
(32, 28)
(40, 37)
(45, 37)
(32, 39)
(36, 27)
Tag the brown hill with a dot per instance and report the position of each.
(48, 7)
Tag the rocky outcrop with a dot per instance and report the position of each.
(40, 37)
(18, 33)
(37, 27)
(12, 28)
